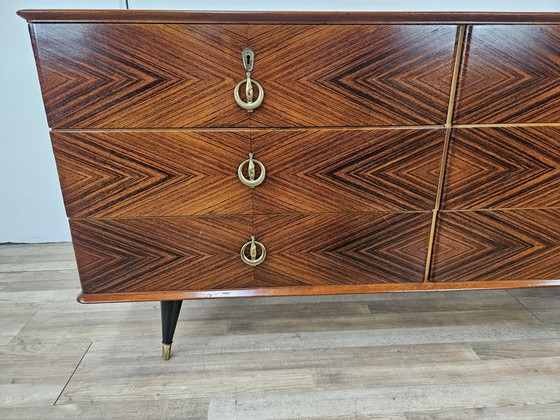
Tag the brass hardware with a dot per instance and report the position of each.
(248, 59)
(248, 62)
(251, 182)
(166, 351)
(253, 260)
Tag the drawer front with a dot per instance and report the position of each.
(503, 168)
(336, 249)
(140, 75)
(497, 245)
(347, 170)
(151, 173)
(510, 74)
(161, 254)
(352, 75)
(175, 75)
(177, 173)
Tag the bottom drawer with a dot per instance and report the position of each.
(342, 249)
(202, 253)
(497, 245)
(161, 254)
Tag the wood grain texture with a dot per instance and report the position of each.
(352, 75)
(276, 291)
(162, 76)
(510, 75)
(347, 170)
(545, 306)
(281, 17)
(386, 75)
(497, 245)
(158, 254)
(503, 168)
(328, 184)
(342, 249)
(151, 173)
(173, 173)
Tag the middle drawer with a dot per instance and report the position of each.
(195, 172)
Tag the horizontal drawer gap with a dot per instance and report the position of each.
(198, 216)
(307, 128)
(372, 128)
(506, 125)
(498, 209)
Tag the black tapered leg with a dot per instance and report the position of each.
(170, 310)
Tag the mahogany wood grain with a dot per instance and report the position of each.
(504, 167)
(151, 173)
(510, 74)
(497, 245)
(113, 76)
(161, 254)
(347, 170)
(342, 249)
(280, 17)
(353, 75)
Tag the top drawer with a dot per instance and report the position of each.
(510, 74)
(109, 75)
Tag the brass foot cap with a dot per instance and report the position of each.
(166, 351)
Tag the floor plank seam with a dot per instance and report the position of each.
(72, 374)
(26, 324)
(530, 311)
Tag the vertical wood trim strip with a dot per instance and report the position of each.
(448, 127)
(456, 70)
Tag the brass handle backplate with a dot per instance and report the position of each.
(251, 182)
(253, 260)
(248, 62)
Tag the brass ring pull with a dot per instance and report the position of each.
(249, 105)
(254, 260)
(251, 182)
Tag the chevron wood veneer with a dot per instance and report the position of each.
(353, 75)
(402, 151)
(151, 173)
(158, 254)
(384, 75)
(503, 168)
(132, 75)
(348, 170)
(330, 249)
(497, 245)
(510, 75)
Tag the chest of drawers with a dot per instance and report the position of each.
(375, 151)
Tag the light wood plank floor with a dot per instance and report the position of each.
(438, 355)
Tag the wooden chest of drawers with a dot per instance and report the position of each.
(399, 152)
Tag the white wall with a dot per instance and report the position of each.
(31, 208)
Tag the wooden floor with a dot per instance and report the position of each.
(436, 355)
